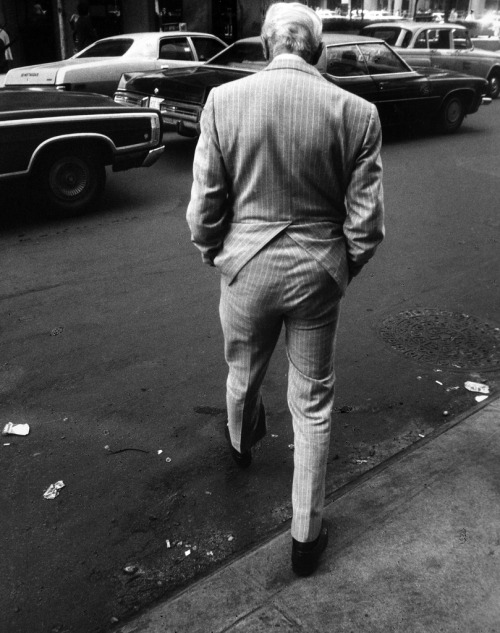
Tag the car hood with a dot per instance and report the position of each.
(191, 85)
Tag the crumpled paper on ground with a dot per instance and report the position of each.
(53, 490)
(15, 429)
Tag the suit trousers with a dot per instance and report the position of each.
(284, 286)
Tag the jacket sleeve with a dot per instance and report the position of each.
(207, 210)
(364, 224)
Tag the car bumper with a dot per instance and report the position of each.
(144, 159)
(184, 128)
(485, 100)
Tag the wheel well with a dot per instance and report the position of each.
(97, 146)
(494, 71)
(467, 97)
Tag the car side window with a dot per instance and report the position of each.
(382, 60)
(345, 61)
(206, 47)
(421, 41)
(443, 39)
(460, 39)
(176, 48)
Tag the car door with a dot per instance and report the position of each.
(401, 93)
(465, 61)
(440, 44)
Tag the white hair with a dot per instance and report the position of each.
(292, 27)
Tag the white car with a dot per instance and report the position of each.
(98, 67)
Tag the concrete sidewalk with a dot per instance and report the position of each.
(414, 546)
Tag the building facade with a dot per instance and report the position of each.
(41, 31)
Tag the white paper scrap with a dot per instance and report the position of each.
(16, 429)
(476, 387)
(53, 490)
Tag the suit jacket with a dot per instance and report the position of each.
(286, 150)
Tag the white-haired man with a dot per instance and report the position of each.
(287, 203)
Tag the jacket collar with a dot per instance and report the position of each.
(293, 62)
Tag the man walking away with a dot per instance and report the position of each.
(287, 203)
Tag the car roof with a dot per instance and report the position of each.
(417, 26)
(152, 35)
(328, 38)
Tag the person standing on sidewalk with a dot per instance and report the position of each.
(287, 203)
(6, 58)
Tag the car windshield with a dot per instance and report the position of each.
(241, 55)
(108, 48)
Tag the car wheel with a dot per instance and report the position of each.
(451, 115)
(71, 181)
(494, 84)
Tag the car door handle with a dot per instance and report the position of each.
(164, 66)
(383, 84)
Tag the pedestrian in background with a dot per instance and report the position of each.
(287, 203)
(6, 58)
(84, 33)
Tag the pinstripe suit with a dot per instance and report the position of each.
(287, 203)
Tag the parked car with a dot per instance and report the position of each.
(364, 66)
(98, 67)
(63, 141)
(446, 46)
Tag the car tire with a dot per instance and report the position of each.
(70, 181)
(451, 115)
(494, 84)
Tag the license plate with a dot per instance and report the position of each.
(155, 102)
(169, 120)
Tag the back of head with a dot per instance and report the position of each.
(291, 27)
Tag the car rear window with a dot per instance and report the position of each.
(108, 48)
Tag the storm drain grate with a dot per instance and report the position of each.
(445, 339)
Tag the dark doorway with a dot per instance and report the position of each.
(171, 14)
(106, 17)
(224, 19)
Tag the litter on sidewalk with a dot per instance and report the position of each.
(16, 429)
(53, 490)
(477, 387)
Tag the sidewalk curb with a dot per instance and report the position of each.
(280, 531)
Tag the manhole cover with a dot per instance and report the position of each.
(445, 339)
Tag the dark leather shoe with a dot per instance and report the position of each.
(305, 556)
(243, 460)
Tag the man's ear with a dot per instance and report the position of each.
(265, 48)
(317, 54)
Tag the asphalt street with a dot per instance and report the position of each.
(112, 353)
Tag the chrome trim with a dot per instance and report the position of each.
(77, 117)
(486, 101)
(116, 151)
(153, 156)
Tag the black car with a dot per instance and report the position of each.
(365, 66)
(63, 142)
